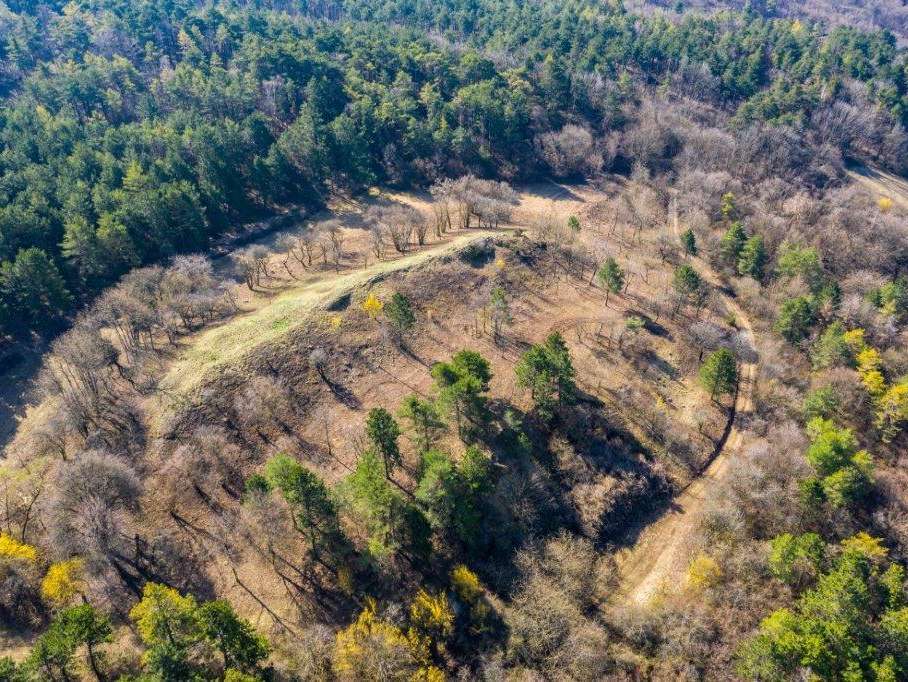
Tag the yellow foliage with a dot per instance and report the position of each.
(869, 359)
(63, 581)
(432, 615)
(470, 591)
(869, 367)
(867, 545)
(161, 610)
(335, 322)
(500, 263)
(892, 410)
(703, 572)
(373, 305)
(370, 648)
(885, 204)
(466, 584)
(854, 339)
(10, 548)
(429, 674)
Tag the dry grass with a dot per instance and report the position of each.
(274, 319)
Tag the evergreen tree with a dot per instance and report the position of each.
(400, 314)
(313, 509)
(612, 277)
(52, 656)
(461, 384)
(546, 369)
(719, 373)
(796, 318)
(689, 242)
(383, 431)
(688, 286)
(752, 259)
(32, 291)
(732, 243)
(424, 419)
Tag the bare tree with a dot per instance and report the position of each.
(90, 511)
(252, 265)
(571, 151)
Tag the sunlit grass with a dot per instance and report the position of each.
(229, 343)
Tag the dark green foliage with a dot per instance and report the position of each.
(425, 421)
(188, 641)
(461, 384)
(52, 655)
(689, 242)
(752, 258)
(719, 373)
(688, 285)
(821, 402)
(844, 474)
(453, 495)
(612, 277)
(240, 645)
(831, 349)
(400, 314)
(383, 431)
(391, 523)
(796, 318)
(257, 484)
(314, 510)
(732, 243)
(32, 292)
(114, 156)
(891, 298)
(11, 672)
(546, 369)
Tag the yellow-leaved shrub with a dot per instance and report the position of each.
(10, 548)
(63, 581)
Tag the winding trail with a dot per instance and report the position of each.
(224, 345)
(657, 563)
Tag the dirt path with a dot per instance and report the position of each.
(225, 344)
(881, 184)
(658, 561)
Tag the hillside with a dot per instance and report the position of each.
(452, 340)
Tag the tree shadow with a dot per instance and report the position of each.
(662, 365)
(343, 394)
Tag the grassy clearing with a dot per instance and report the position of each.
(227, 344)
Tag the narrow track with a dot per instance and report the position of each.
(658, 561)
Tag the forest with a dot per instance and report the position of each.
(134, 131)
(451, 340)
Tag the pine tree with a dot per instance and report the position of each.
(383, 431)
(732, 243)
(612, 277)
(424, 420)
(719, 373)
(688, 285)
(752, 259)
(689, 242)
(400, 314)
